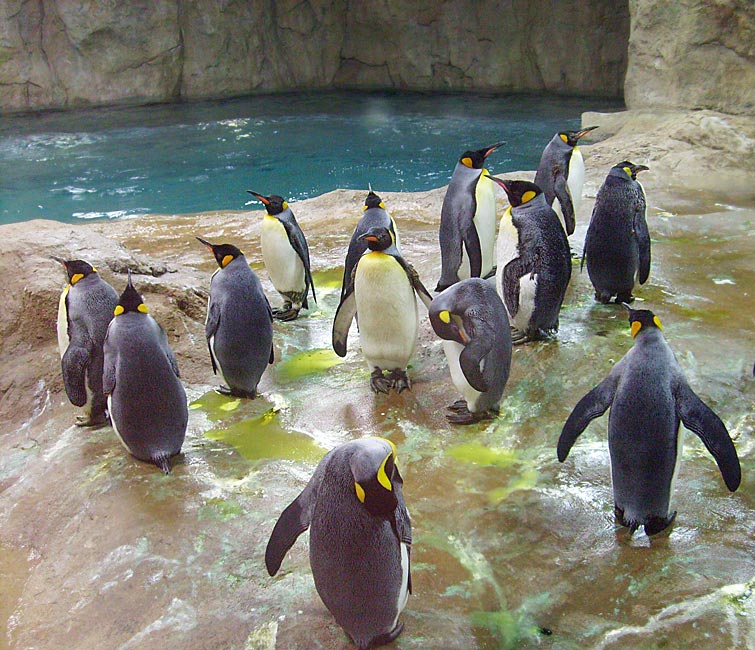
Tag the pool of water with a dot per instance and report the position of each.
(183, 158)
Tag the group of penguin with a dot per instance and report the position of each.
(493, 292)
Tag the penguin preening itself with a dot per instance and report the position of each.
(375, 215)
(534, 261)
(617, 244)
(561, 175)
(382, 293)
(468, 221)
(648, 395)
(85, 309)
(359, 541)
(239, 325)
(146, 399)
(286, 256)
(471, 319)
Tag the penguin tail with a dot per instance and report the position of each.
(162, 460)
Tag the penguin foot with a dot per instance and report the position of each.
(92, 422)
(464, 416)
(655, 525)
(235, 392)
(285, 314)
(602, 297)
(458, 405)
(385, 639)
(624, 298)
(163, 462)
(399, 380)
(379, 383)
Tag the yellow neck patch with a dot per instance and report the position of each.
(528, 196)
(360, 492)
(228, 259)
(628, 171)
(563, 137)
(285, 205)
(467, 162)
(382, 477)
(143, 308)
(76, 277)
(635, 328)
(118, 310)
(657, 322)
(445, 316)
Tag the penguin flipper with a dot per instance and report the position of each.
(402, 524)
(210, 328)
(643, 244)
(299, 244)
(512, 272)
(108, 374)
(419, 288)
(564, 199)
(342, 322)
(470, 361)
(703, 422)
(474, 252)
(74, 365)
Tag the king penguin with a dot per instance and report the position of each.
(286, 256)
(146, 398)
(85, 309)
(561, 175)
(648, 395)
(239, 325)
(382, 293)
(534, 261)
(375, 214)
(468, 221)
(359, 541)
(617, 245)
(470, 318)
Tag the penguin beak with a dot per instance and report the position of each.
(584, 131)
(59, 260)
(205, 242)
(369, 238)
(263, 199)
(492, 148)
(639, 168)
(502, 183)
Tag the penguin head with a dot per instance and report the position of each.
(373, 201)
(642, 319)
(378, 238)
(224, 253)
(274, 204)
(626, 169)
(572, 137)
(373, 466)
(476, 159)
(519, 192)
(445, 316)
(130, 300)
(76, 269)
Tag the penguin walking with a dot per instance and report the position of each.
(239, 325)
(286, 256)
(85, 310)
(359, 541)
(146, 399)
(382, 293)
(648, 395)
(561, 175)
(617, 245)
(468, 221)
(374, 215)
(471, 319)
(534, 261)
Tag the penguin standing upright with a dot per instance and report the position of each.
(146, 399)
(468, 221)
(471, 319)
(286, 256)
(649, 395)
(534, 261)
(359, 541)
(85, 309)
(374, 215)
(382, 293)
(561, 175)
(617, 245)
(239, 325)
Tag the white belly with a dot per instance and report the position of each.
(283, 265)
(576, 179)
(453, 350)
(63, 339)
(403, 594)
(507, 249)
(485, 222)
(387, 309)
(527, 289)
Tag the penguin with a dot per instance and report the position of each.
(471, 319)
(561, 174)
(239, 324)
(648, 395)
(145, 396)
(359, 541)
(85, 310)
(374, 215)
(286, 256)
(534, 261)
(468, 221)
(382, 293)
(617, 244)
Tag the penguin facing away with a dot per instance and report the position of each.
(382, 293)
(649, 396)
(146, 399)
(239, 325)
(85, 310)
(468, 221)
(534, 262)
(360, 539)
(561, 175)
(471, 319)
(617, 244)
(286, 256)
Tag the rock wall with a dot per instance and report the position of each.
(70, 53)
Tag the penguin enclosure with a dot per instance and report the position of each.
(510, 549)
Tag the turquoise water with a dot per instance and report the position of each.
(174, 159)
